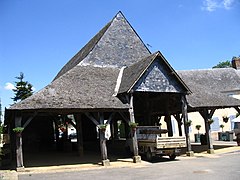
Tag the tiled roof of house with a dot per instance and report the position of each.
(208, 87)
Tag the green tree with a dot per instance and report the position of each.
(0, 112)
(223, 64)
(23, 89)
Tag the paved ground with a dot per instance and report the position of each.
(120, 163)
(221, 166)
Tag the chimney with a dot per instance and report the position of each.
(236, 62)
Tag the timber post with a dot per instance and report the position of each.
(136, 157)
(103, 146)
(79, 134)
(115, 130)
(19, 152)
(167, 119)
(206, 116)
(209, 137)
(186, 128)
(179, 121)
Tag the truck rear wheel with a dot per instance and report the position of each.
(172, 156)
(149, 155)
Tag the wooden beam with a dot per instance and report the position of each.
(207, 114)
(237, 109)
(29, 120)
(179, 121)
(78, 126)
(167, 119)
(110, 118)
(115, 129)
(131, 111)
(125, 118)
(92, 118)
(186, 128)
(103, 145)
(136, 157)
(74, 125)
(19, 152)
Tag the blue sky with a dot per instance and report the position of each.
(38, 37)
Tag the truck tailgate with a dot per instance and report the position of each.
(171, 142)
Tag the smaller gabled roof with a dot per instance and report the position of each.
(132, 74)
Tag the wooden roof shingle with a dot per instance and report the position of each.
(116, 45)
(83, 88)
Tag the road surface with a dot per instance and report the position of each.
(214, 167)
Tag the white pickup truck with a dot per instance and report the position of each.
(152, 141)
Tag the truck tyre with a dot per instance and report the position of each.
(172, 156)
(149, 155)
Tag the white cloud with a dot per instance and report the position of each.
(228, 4)
(9, 86)
(212, 5)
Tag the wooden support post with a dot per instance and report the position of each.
(56, 134)
(179, 121)
(19, 152)
(167, 119)
(78, 119)
(147, 110)
(206, 114)
(186, 128)
(115, 129)
(136, 157)
(103, 146)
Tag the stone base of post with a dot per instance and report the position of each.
(106, 162)
(190, 153)
(20, 169)
(136, 159)
(210, 151)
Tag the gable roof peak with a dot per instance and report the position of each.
(140, 70)
(116, 45)
(120, 14)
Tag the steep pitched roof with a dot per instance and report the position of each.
(134, 75)
(116, 45)
(208, 87)
(77, 58)
(88, 80)
(83, 88)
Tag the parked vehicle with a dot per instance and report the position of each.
(152, 141)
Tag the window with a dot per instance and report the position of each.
(215, 124)
(231, 117)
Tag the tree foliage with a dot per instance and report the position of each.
(0, 112)
(223, 64)
(23, 89)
